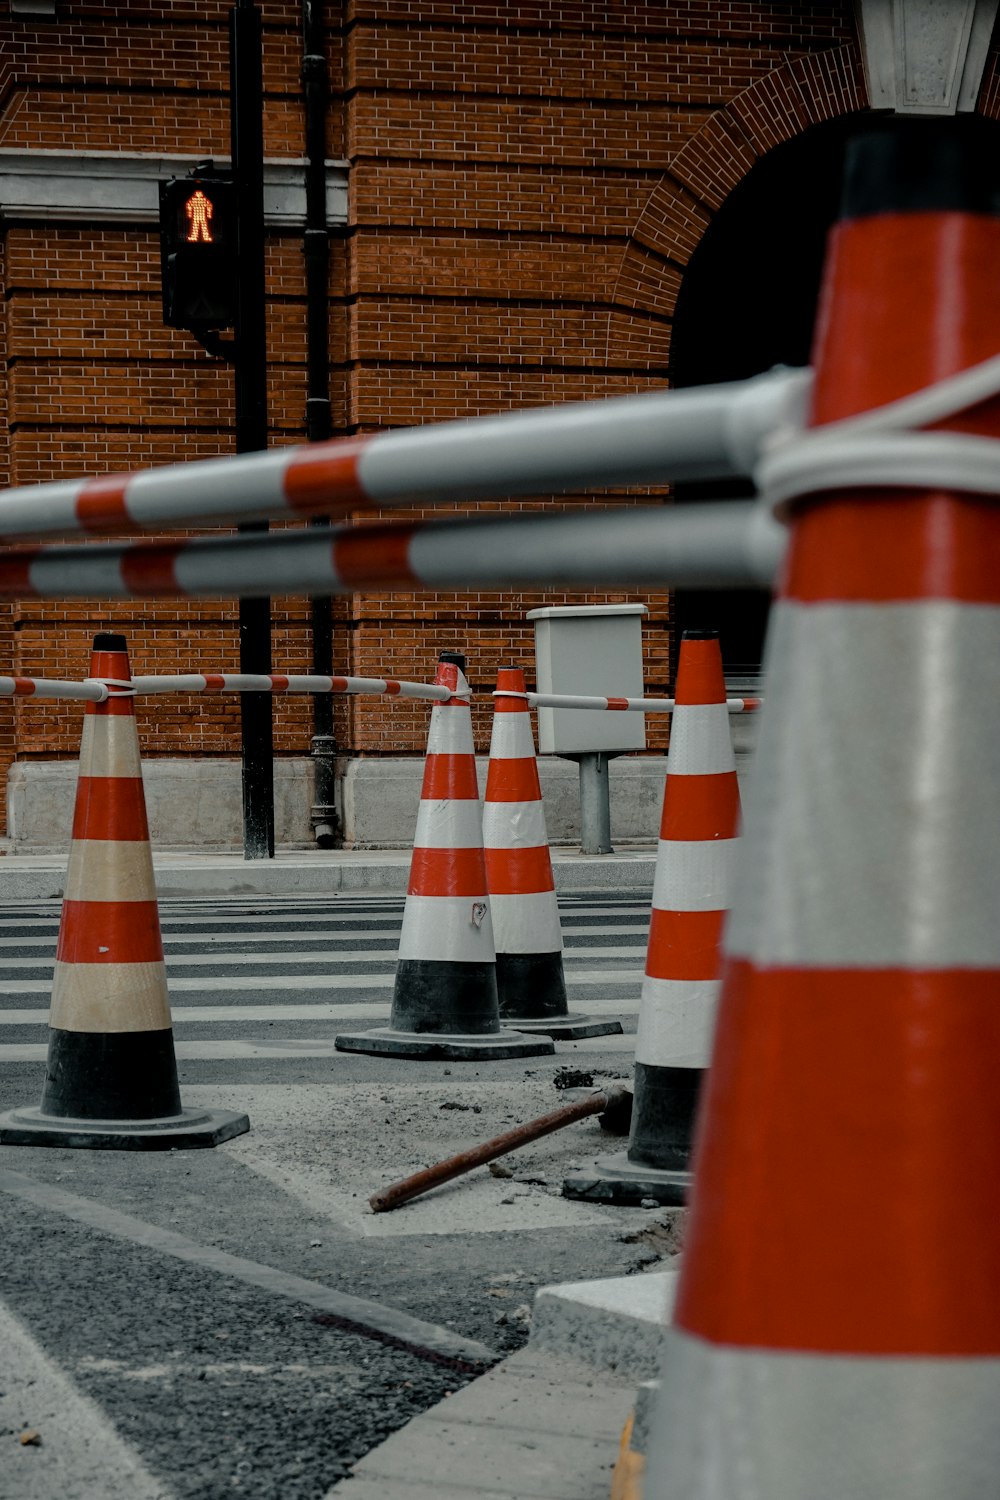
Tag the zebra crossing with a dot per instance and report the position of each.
(276, 978)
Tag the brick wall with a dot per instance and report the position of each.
(528, 181)
(518, 233)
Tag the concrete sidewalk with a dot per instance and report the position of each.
(318, 872)
(544, 1424)
(538, 1426)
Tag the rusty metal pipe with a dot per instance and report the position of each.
(615, 1104)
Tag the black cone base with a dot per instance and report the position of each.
(616, 1179)
(189, 1128)
(568, 1028)
(663, 1115)
(436, 995)
(111, 1075)
(115, 1091)
(389, 1042)
(656, 1165)
(532, 993)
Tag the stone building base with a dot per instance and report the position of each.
(197, 803)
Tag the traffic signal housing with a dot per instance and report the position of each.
(198, 252)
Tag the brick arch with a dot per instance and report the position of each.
(802, 92)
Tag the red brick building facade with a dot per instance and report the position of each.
(525, 186)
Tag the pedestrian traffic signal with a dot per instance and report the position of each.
(198, 252)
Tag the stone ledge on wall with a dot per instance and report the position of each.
(189, 803)
(197, 804)
(118, 187)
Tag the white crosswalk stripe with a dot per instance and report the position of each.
(299, 1048)
(249, 978)
(385, 936)
(189, 1015)
(381, 954)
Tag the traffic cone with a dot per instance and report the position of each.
(837, 1326)
(444, 1002)
(111, 1077)
(530, 982)
(694, 864)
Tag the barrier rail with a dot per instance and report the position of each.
(620, 705)
(708, 432)
(99, 690)
(280, 682)
(89, 690)
(95, 690)
(720, 545)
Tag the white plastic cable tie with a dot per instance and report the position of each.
(462, 689)
(886, 447)
(117, 687)
(509, 693)
(777, 401)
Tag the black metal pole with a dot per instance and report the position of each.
(319, 423)
(247, 136)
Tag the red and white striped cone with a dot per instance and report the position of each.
(111, 1078)
(699, 832)
(444, 1003)
(837, 1327)
(531, 985)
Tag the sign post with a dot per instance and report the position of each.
(247, 133)
(212, 273)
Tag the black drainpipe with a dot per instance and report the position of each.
(319, 424)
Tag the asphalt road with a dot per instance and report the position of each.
(184, 1320)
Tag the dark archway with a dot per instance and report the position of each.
(747, 303)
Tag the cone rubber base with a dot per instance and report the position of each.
(385, 1042)
(615, 1179)
(192, 1127)
(568, 1028)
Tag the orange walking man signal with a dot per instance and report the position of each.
(198, 211)
(199, 265)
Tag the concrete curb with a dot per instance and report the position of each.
(40, 877)
(546, 1421)
(536, 1425)
(614, 1325)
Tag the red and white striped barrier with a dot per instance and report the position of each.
(92, 690)
(279, 682)
(621, 705)
(88, 691)
(736, 545)
(705, 432)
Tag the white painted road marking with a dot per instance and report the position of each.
(334, 1183)
(303, 982)
(81, 1454)
(192, 1015)
(387, 936)
(276, 1048)
(358, 956)
(421, 1337)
